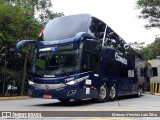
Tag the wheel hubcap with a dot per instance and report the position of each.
(103, 92)
(139, 92)
(113, 92)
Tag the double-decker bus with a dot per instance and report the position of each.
(79, 57)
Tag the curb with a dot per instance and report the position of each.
(150, 93)
(14, 98)
(157, 94)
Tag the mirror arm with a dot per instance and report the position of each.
(24, 42)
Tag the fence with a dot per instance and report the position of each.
(155, 87)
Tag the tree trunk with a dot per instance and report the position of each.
(24, 74)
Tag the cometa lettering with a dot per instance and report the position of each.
(120, 59)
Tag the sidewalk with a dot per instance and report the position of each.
(14, 97)
(157, 94)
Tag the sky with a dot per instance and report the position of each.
(120, 15)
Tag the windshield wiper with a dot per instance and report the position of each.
(61, 66)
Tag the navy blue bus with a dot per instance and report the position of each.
(79, 57)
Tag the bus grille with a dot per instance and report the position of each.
(49, 86)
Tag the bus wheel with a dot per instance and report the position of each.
(103, 94)
(113, 92)
(139, 94)
(64, 100)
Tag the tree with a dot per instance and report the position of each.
(16, 25)
(149, 10)
(152, 50)
(137, 45)
(18, 20)
(40, 9)
(149, 52)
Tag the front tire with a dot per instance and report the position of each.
(103, 94)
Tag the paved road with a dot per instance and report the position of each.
(146, 103)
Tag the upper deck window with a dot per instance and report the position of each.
(96, 28)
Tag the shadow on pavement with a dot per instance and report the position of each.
(83, 102)
(68, 104)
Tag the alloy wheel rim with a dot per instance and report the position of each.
(113, 92)
(103, 92)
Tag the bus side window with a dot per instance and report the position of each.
(90, 61)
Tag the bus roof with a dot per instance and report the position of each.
(65, 27)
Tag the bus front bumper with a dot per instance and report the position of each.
(68, 92)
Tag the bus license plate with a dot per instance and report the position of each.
(47, 96)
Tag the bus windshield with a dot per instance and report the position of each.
(56, 60)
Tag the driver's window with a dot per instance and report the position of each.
(40, 64)
(90, 61)
(87, 61)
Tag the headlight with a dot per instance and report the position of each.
(71, 82)
(30, 82)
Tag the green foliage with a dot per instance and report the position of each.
(16, 25)
(151, 51)
(149, 10)
(40, 9)
(137, 45)
(18, 21)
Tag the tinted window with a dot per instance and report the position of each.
(111, 68)
(90, 61)
(56, 61)
(155, 73)
(96, 28)
(123, 70)
(113, 40)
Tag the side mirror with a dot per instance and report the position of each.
(24, 42)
